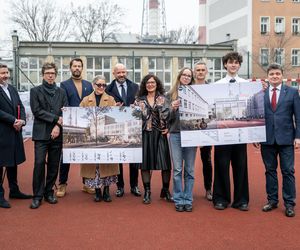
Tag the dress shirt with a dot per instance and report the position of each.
(5, 88)
(120, 87)
(278, 89)
(227, 79)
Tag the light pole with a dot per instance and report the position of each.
(15, 40)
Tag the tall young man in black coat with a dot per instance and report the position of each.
(12, 118)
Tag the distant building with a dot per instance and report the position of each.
(164, 60)
(267, 31)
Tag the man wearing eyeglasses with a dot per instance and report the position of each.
(124, 91)
(200, 72)
(46, 102)
(76, 89)
(12, 119)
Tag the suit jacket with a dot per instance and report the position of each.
(46, 111)
(89, 170)
(11, 142)
(132, 89)
(280, 125)
(73, 98)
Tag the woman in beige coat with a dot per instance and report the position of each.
(96, 175)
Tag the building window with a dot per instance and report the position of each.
(30, 74)
(63, 66)
(162, 68)
(279, 56)
(264, 25)
(264, 57)
(279, 25)
(98, 65)
(296, 25)
(133, 66)
(295, 57)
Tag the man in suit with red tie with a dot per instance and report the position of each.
(124, 91)
(12, 119)
(282, 114)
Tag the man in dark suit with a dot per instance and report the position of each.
(124, 91)
(282, 114)
(46, 102)
(12, 118)
(76, 89)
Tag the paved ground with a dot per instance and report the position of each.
(77, 222)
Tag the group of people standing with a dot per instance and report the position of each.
(161, 138)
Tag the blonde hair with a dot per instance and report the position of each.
(174, 90)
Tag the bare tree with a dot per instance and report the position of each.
(185, 35)
(276, 51)
(98, 21)
(40, 21)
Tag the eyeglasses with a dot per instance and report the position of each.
(151, 82)
(49, 73)
(187, 76)
(99, 85)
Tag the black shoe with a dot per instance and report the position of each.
(147, 197)
(51, 199)
(4, 203)
(290, 212)
(135, 191)
(106, 195)
(19, 195)
(188, 208)
(35, 204)
(165, 194)
(269, 207)
(179, 208)
(220, 206)
(120, 192)
(243, 207)
(98, 195)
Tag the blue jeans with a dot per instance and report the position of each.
(182, 156)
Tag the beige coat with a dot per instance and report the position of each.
(89, 170)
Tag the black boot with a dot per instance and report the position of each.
(98, 195)
(106, 195)
(147, 194)
(165, 194)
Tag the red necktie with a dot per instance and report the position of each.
(273, 101)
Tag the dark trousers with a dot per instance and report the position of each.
(205, 153)
(11, 173)
(63, 172)
(41, 149)
(270, 155)
(64, 169)
(237, 156)
(133, 175)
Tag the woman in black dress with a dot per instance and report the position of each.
(156, 154)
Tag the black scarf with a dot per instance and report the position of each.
(50, 89)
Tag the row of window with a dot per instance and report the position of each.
(98, 65)
(279, 25)
(278, 56)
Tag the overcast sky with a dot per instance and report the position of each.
(178, 13)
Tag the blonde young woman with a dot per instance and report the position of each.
(99, 175)
(183, 158)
